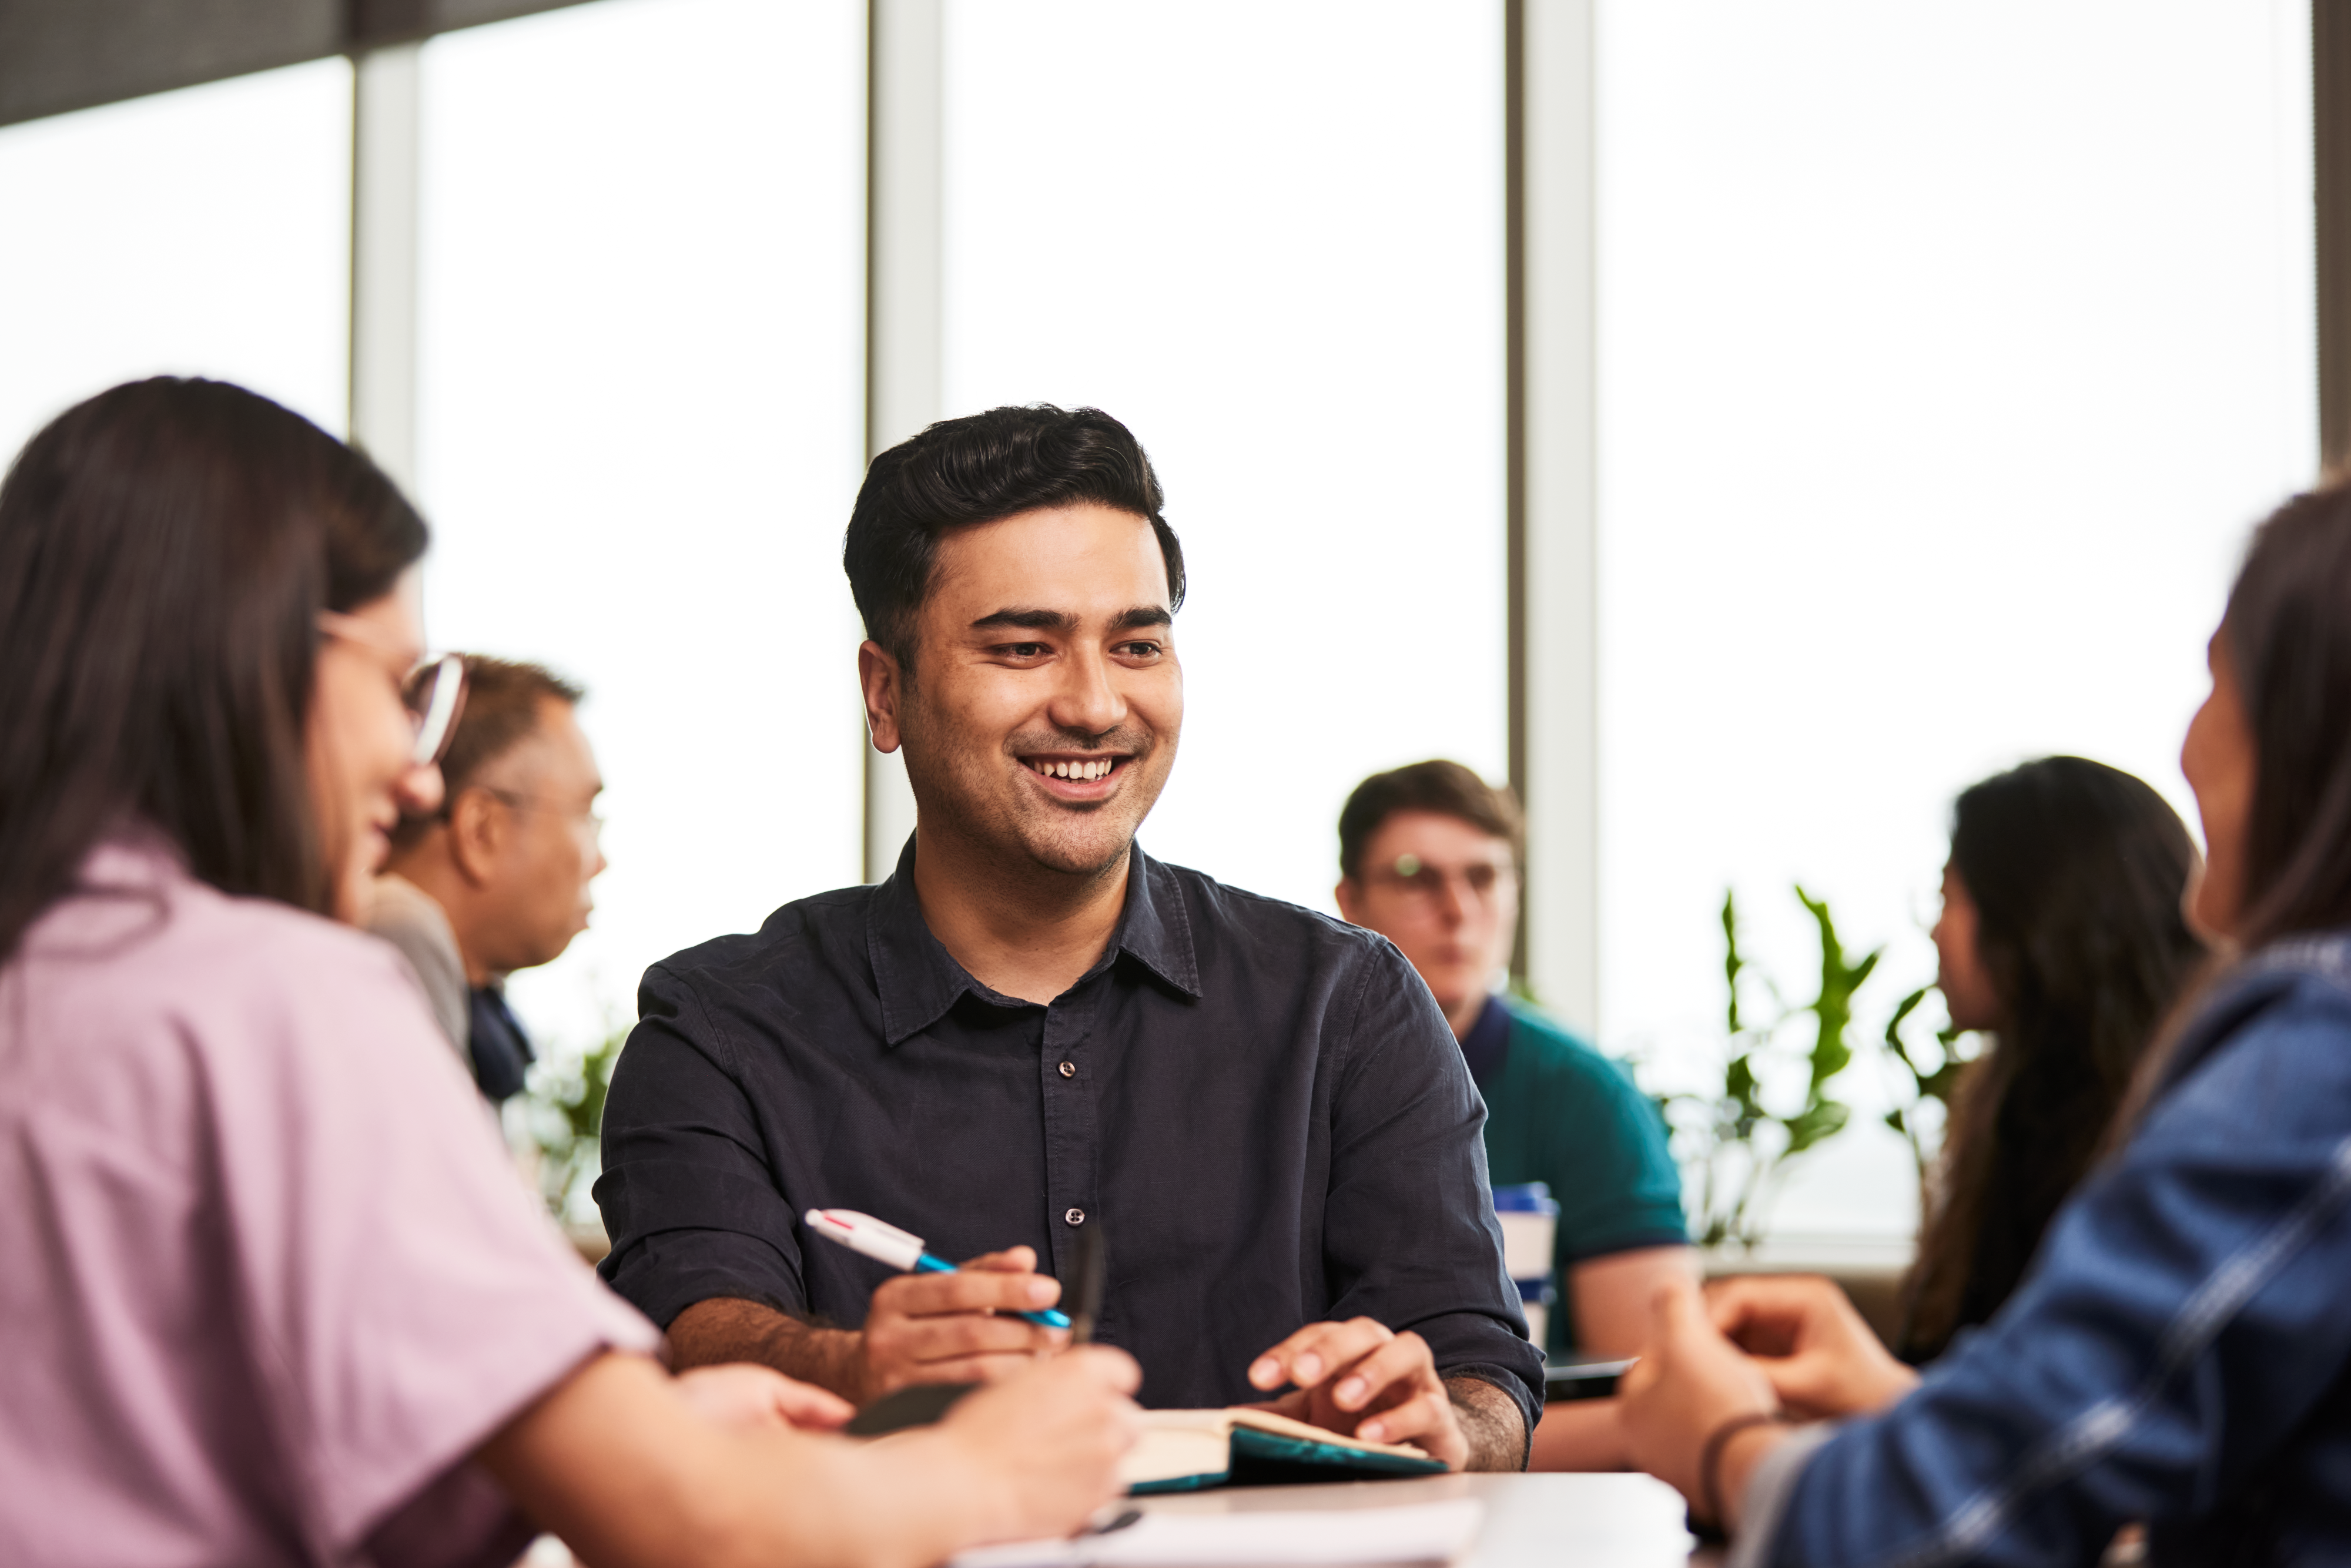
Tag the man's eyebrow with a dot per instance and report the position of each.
(1142, 615)
(1029, 620)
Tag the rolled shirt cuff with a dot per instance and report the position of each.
(1765, 1499)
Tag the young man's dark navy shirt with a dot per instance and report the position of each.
(1262, 1108)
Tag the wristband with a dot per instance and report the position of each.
(1709, 1459)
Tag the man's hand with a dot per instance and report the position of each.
(958, 1327)
(922, 1328)
(1361, 1379)
(742, 1397)
(1688, 1382)
(1803, 1331)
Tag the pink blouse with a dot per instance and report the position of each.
(265, 1282)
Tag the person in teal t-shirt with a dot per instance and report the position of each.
(1558, 1112)
(1428, 858)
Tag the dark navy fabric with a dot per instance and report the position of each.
(2179, 1351)
(501, 1050)
(1262, 1109)
(1487, 1046)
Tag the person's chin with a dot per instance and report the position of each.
(1079, 845)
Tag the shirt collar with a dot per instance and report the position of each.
(1488, 1043)
(918, 980)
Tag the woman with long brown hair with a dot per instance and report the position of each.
(2061, 939)
(271, 1294)
(2180, 1353)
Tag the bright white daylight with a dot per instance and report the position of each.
(1939, 380)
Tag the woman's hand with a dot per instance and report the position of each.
(1688, 1382)
(1821, 1358)
(743, 1398)
(1041, 1448)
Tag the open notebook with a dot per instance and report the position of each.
(1184, 1450)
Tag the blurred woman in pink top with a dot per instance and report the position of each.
(271, 1296)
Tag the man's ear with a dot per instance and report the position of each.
(884, 686)
(1349, 896)
(476, 831)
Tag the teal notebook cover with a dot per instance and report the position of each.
(1259, 1457)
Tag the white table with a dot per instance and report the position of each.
(1532, 1522)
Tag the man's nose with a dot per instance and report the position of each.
(419, 790)
(1088, 702)
(1453, 900)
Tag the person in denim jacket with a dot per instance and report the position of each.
(2180, 1353)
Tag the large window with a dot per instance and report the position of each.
(1947, 353)
(640, 430)
(1268, 238)
(204, 231)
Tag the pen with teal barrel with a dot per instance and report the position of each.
(886, 1243)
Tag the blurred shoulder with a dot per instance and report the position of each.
(144, 931)
(1554, 1050)
(2267, 1055)
(147, 974)
(1265, 924)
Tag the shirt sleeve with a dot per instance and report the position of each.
(401, 1294)
(1409, 1233)
(1616, 1184)
(687, 1196)
(2183, 1319)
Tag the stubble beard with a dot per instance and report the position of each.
(983, 805)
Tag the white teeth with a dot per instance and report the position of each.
(1076, 770)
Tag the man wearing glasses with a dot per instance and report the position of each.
(1032, 1028)
(1429, 857)
(497, 879)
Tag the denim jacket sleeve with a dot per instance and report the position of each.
(2184, 1317)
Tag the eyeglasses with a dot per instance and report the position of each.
(1478, 878)
(432, 690)
(434, 693)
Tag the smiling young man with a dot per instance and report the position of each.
(1033, 1026)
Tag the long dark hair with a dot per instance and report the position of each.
(165, 550)
(2288, 630)
(2076, 870)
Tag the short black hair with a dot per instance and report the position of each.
(1445, 787)
(983, 468)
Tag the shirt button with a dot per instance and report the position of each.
(1069, 1069)
(1076, 1217)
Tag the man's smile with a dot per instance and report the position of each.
(1076, 776)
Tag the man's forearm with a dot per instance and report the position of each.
(722, 1328)
(1490, 1424)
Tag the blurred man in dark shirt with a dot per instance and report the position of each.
(497, 881)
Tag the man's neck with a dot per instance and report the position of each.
(1021, 929)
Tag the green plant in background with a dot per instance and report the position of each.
(1931, 1074)
(559, 1118)
(1735, 1141)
